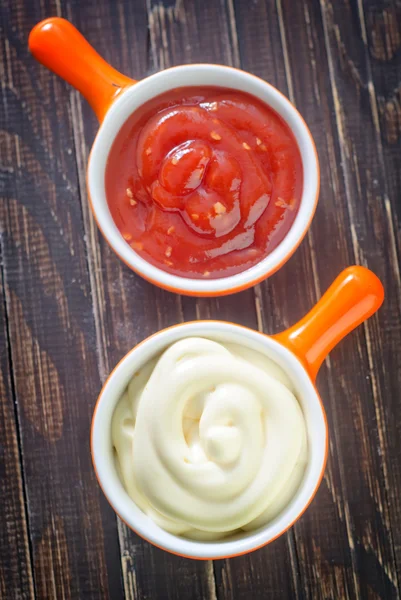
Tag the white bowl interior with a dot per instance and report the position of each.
(196, 75)
(103, 456)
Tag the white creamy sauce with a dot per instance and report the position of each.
(210, 439)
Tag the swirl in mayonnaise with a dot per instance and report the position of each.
(210, 439)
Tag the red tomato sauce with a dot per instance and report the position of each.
(204, 182)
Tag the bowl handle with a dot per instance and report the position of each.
(61, 48)
(353, 297)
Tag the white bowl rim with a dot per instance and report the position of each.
(104, 463)
(185, 76)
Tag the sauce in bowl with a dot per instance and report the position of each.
(204, 182)
(210, 439)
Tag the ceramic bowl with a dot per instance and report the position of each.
(353, 297)
(114, 97)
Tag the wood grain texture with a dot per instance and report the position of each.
(71, 309)
(372, 197)
(51, 326)
(16, 576)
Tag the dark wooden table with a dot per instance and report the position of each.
(70, 309)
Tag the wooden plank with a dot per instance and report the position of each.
(371, 169)
(53, 345)
(128, 309)
(380, 24)
(16, 578)
(381, 34)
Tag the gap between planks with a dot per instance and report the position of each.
(25, 526)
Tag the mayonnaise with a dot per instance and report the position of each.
(210, 439)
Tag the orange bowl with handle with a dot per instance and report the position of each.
(353, 297)
(114, 97)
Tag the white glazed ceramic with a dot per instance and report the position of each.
(197, 75)
(104, 462)
(300, 350)
(114, 97)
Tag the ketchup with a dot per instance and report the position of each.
(204, 182)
